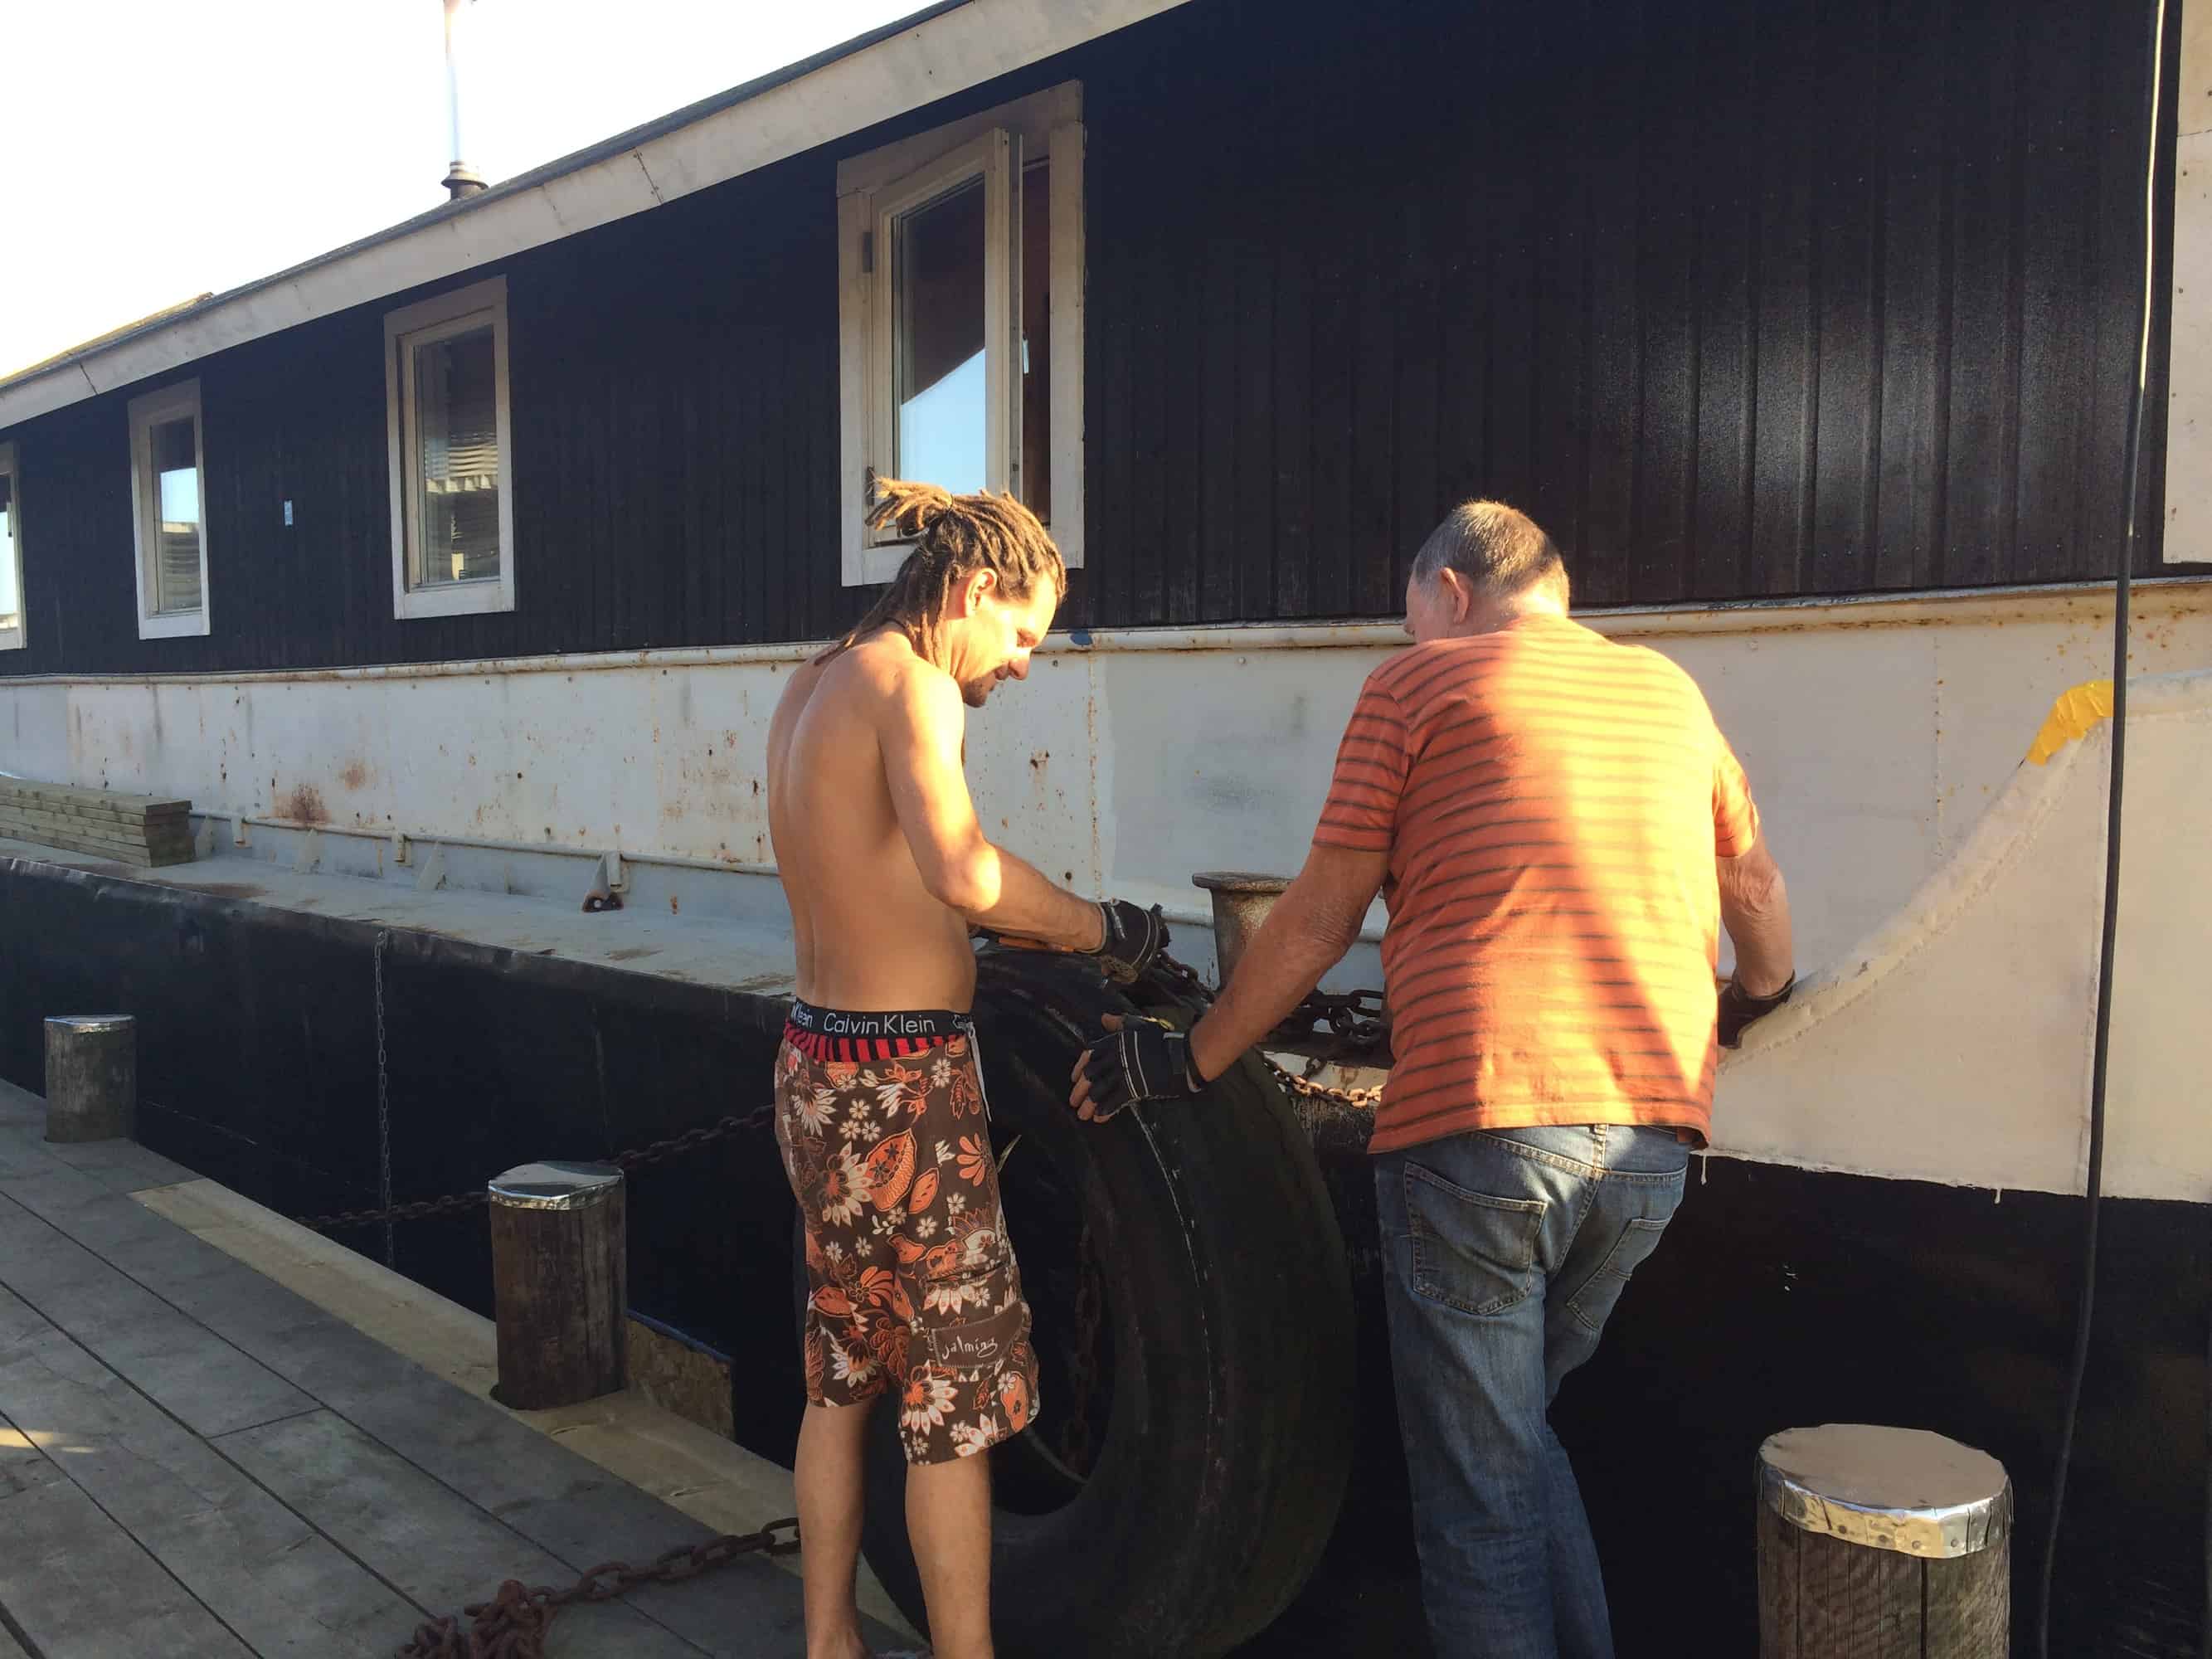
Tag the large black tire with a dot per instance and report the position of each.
(1187, 1521)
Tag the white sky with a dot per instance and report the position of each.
(159, 150)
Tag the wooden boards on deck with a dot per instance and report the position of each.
(137, 830)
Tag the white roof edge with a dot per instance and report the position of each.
(932, 57)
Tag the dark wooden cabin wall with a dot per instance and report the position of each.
(673, 385)
(1741, 298)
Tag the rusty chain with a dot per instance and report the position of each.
(416, 1210)
(1365, 1099)
(637, 1157)
(513, 1623)
(384, 1105)
(1354, 1019)
(690, 1139)
(1358, 1023)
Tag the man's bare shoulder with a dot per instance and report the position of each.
(879, 683)
(900, 685)
(800, 688)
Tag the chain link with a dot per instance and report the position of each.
(383, 1102)
(1355, 1018)
(418, 1209)
(1358, 1024)
(637, 1157)
(1357, 1008)
(1365, 1099)
(513, 1623)
(690, 1140)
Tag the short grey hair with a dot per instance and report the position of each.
(1499, 548)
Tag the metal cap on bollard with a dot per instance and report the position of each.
(1241, 902)
(1891, 1489)
(92, 1077)
(560, 1271)
(555, 1185)
(1858, 1522)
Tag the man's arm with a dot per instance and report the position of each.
(1306, 934)
(920, 733)
(1312, 925)
(1755, 910)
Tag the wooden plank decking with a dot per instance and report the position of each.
(137, 830)
(196, 1462)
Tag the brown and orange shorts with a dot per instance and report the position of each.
(912, 1282)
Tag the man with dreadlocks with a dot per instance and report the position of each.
(880, 1109)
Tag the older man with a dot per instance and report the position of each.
(1558, 830)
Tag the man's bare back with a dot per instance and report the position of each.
(870, 934)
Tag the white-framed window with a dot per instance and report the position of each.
(453, 482)
(168, 498)
(960, 318)
(12, 629)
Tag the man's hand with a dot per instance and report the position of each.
(1132, 939)
(1739, 1008)
(1137, 1059)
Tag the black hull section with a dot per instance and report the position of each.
(1780, 1296)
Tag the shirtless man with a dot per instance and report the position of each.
(880, 1109)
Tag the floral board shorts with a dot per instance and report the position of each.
(912, 1282)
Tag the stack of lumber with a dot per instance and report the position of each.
(126, 828)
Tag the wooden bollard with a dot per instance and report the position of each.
(92, 1077)
(1883, 1543)
(561, 1279)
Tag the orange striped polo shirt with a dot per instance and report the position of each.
(1552, 804)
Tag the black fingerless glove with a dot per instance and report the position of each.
(1739, 1008)
(1135, 938)
(1146, 1059)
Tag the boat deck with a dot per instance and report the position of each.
(723, 930)
(198, 1462)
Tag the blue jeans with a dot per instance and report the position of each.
(1504, 1252)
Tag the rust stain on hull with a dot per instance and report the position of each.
(303, 803)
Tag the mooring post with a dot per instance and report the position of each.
(1890, 1543)
(1241, 902)
(561, 1280)
(92, 1077)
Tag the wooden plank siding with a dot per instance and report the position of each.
(1743, 298)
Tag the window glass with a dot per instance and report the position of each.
(457, 452)
(938, 340)
(11, 600)
(1036, 340)
(174, 451)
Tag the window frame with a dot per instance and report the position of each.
(16, 638)
(874, 190)
(147, 412)
(460, 311)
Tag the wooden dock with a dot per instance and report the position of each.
(197, 1463)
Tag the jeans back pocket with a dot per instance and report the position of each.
(1471, 1251)
(1594, 1304)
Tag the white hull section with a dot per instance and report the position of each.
(1955, 944)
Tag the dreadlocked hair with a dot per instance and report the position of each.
(954, 537)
